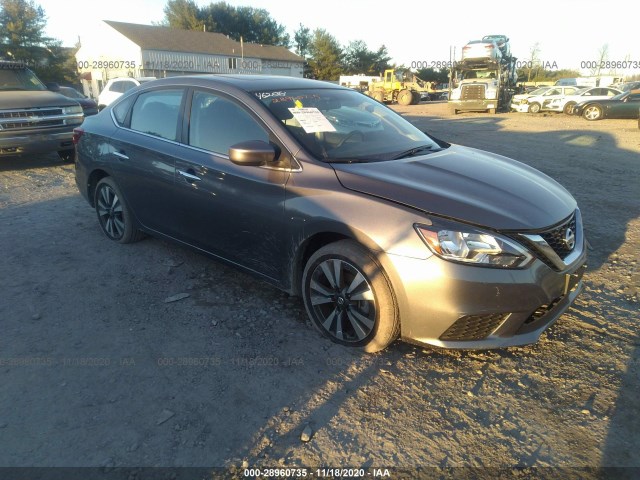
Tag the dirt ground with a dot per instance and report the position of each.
(98, 369)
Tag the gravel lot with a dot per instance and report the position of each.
(98, 369)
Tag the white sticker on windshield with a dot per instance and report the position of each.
(312, 120)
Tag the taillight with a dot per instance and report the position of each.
(77, 133)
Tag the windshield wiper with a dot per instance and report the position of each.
(348, 160)
(413, 151)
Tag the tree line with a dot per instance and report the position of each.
(325, 58)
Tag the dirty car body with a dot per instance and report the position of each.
(384, 231)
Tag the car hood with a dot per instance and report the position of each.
(34, 99)
(86, 103)
(466, 184)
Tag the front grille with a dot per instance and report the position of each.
(472, 92)
(31, 113)
(34, 124)
(555, 237)
(473, 327)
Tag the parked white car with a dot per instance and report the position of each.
(116, 87)
(533, 104)
(565, 103)
(481, 50)
(518, 99)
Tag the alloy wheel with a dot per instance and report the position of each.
(592, 113)
(110, 212)
(342, 301)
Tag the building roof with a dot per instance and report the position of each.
(151, 37)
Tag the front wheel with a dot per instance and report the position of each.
(592, 112)
(534, 107)
(113, 214)
(378, 96)
(348, 297)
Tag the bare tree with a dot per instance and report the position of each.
(603, 55)
(533, 63)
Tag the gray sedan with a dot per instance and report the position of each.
(384, 231)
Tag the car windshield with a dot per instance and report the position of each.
(19, 79)
(342, 125)
(70, 92)
(620, 96)
(539, 91)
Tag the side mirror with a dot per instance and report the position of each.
(252, 153)
(53, 86)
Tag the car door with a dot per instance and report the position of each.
(628, 108)
(143, 150)
(229, 210)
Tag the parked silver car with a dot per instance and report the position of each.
(384, 231)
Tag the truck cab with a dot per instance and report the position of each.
(32, 118)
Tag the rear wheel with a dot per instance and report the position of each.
(592, 112)
(534, 107)
(349, 298)
(568, 108)
(113, 214)
(405, 97)
(492, 111)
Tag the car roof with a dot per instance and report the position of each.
(247, 83)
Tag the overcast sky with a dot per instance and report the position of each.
(569, 32)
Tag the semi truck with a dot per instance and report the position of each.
(482, 84)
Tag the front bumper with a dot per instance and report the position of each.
(36, 141)
(473, 105)
(452, 305)
(520, 107)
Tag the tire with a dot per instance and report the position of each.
(568, 108)
(417, 98)
(492, 111)
(370, 322)
(113, 213)
(378, 96)
(534, 108)
(405, 97)
(454, 111)
(67, 155)
(592, 112)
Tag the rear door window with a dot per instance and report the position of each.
(157, 113)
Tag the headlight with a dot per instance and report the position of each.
(72, 110)
(461, 243)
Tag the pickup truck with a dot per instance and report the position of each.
(32, 118)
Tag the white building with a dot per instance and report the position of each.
(117, 49)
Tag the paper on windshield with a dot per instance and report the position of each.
(312, 120)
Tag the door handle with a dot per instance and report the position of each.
(121, 155)
(189, 175)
